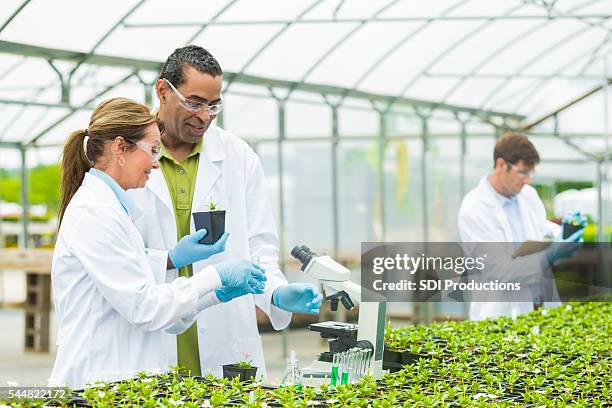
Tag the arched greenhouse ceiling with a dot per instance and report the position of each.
(491, 61)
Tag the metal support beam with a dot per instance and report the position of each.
(334, 182)
(382, 147)
(601, 181)
(498, 132)
(147, 65)
(462, 186)
(369, 96)
(566, 106)
(479, 75)
(64, 84)
(575, 146)
(423, 310)
(604, 185)
(282, 129)
(55, 54)
(282, 132)
(15, 14)
(221, 119)
(425, 174)
(205, 25)
(463, 120)
(415, 19)
(25, 199)
(336, 45)
(271, 41)
(9, 145)
(86, 56)
(462, 157)
(45, 104)
(318, 139)
(66, 116)
(147, 88)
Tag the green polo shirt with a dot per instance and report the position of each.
(181, 179)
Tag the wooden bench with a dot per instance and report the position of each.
(36, 263)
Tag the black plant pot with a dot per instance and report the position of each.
(244, 374)
(402, 356)
(213, 221)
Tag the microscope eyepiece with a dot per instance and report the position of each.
(303, 254)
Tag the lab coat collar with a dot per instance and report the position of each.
(125, 200)
(488, 192)
(213, 145)
(501, 199)
(157, 184)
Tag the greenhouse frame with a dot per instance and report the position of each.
(372, 120)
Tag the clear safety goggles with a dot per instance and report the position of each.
(195, 107)
(154, 150)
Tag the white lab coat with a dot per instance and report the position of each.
(482, 220)
(111, 300)
(229, 173)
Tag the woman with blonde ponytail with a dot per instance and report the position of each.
(112, 299)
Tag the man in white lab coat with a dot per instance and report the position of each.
(202, 162)
(504, 208)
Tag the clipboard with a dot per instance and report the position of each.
(531, 247)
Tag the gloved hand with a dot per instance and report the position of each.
(225, 293)
(575, 219)
(188, 250)
(239, 278)
(564, 248)
(298, 298)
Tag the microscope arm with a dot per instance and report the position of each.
(348, 292)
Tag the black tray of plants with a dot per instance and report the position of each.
(550, 357)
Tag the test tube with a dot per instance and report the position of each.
(357, 365)
(360, 364)
(368, 358)
(344, 366)
(351, 365)
(334, 370)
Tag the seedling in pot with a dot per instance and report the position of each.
(245, 364)
(213, 221)
(244, 369)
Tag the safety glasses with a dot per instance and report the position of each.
(522, 173)
(192, 106)
(154, 150)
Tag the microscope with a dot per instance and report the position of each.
(368, 333)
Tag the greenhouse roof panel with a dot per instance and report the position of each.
(298, 42)
(164, 12)
(66, 24)
(524, 57)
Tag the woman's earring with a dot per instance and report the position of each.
(121, 161)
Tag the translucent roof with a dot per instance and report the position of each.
(517, 59)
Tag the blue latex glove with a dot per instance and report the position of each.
(575, 218)
(225, 294)
(188, 250)
(298, 298)
(564, 248)
(239, 278)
